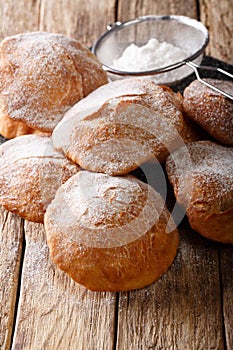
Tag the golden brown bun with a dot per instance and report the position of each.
(121, 125)
(211, 110)
(202, 176)
(31, 172)
(192, 131)
(44, 74)
(10, 128)
(110, 233)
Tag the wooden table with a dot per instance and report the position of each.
(189, 308)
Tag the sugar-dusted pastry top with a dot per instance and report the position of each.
(110, 233)
(202, 176)
(10, 128)
(31, 172)
(121, 125)
(211, 110)
(42, 75)
(99, 210)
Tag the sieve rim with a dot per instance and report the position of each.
(116, 26)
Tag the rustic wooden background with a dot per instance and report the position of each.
(87, 19)
(190, 307)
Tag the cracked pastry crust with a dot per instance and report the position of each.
(110, 233)
(31, 172)
(121, 125)
(202, 177)
(42, 75)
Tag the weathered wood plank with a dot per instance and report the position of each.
(55, 312)
(11, 234)
(218, 17)
(84, 20)
(183, 309)
(131, 9)
(18, 16)
(180, 311)
(226, 268)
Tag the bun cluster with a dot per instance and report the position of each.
(105, 228)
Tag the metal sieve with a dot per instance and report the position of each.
(180, 31)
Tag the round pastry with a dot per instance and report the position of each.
(192, 131)
(110, 233)
(31, 171)
(202, 176)
(42, 75)
(121, 125)
(211, 110)
(10, 128)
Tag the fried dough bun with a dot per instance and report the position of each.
(110, 233)
(121, 125)
(202, 177)
(31, 172)
(211, 110)
(42, 75)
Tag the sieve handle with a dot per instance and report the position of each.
(196, 67)
(113, 25)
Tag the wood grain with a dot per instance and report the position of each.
(131, 9)
(191, 306)
(18, 16)
(180, 311)
(84, 20)
(54, 311)
(218, 17)
(11, 234)
(226, 272)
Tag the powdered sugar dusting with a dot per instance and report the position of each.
(92, 102)
(206, 164)
(44, 74)
(152, 55)
(31, 173)
(210, 109)
(98, 210)
(28, 146)
(129, 125)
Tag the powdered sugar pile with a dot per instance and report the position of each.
(152, 55)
